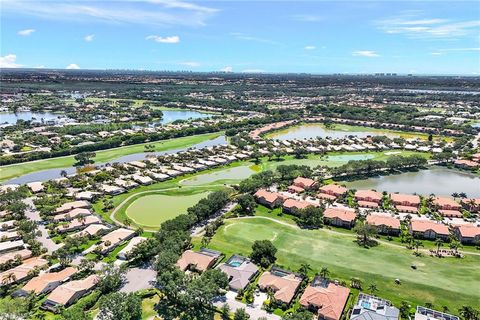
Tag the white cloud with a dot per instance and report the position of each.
(151, 12)
(227, 69)
(9, 61)
(310, 48)
(436, 53)
(253, 71)
(72, 66)
(25, 32)
(429, 28)
(365, 53)
(171, 39)
(242, 36)
(307, 17)
(192, 64)
(89, 37)
(460, 49)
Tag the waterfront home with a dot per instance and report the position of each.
(67, 293)
(466, 164)
(197, 261)
(46, 282)
(340, 217)
(72, 205)
(472, 205)
(284, 284)
(86, 195)
(138, 164)
(6, 246)
(240, 272)
(79, 223)
(370, 307)
(423, 313)
(405, 202)
(331, 192)
(72, 214)
(443, 203)
(467, 233)
(13, 255)
(292, 206)
(113, 239)
(326, 298)
(143, 180)
(384, 224)
(36, 186)
(123, 254)
(268, 199)
(450, 213)
(305, 183)
(368, 198)
(158, 176)
(23, 271)
(428, 229)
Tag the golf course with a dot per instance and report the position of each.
(434, 280)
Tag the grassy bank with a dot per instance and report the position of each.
(19, 169)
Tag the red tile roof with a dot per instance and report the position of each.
(340, 213)
(297, 204)
(304, 182)
(334, 189)
(330, 300)
(377, 220)
(410, 199)
(468, 231)
(368, 194)
(425, 225)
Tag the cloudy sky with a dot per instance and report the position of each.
(430, 37)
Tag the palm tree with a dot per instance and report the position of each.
(455, 195)
(324, 272)
(438, 243)
(9, 278)
(468, 313)
(417, 244)
(356, 283)
(455, 245)
(372, 288)
(304, 268)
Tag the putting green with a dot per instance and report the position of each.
(435, 280)
(152, 210)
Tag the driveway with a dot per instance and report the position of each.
(34, 215)
(139, 279)
(255, 310)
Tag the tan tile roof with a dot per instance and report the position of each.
(24, 254)
(468, 231)
(304, 182)
(450, 213)
(399, 198)
(368, 194)
(39, 283)
(201, 261)
(72, 214)
(333, 189)
(22, 270)
(270, 197)
(72, 205)
(75, 223)
(62, 294)
(446, 202)
(330, 300)
(284, 287)
(297, 204)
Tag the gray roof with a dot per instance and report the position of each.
(239, 276)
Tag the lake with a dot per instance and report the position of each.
(50, 174)
(437, 180)
(11, 117)
(308, 131)
(170, 116)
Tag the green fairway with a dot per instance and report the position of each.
(16, 170)
(152, 210)
(435, 280)
(233, 174)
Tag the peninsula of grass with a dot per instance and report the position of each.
(19, 169)
(434, 281)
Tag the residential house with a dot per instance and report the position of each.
(327, 299)
(466, 164)
(23, 271)
(373, 308)
(292, 206)
(11, 245)
(46, 282)
(268, 199)
(384, 224)
(305, 183)
(91, 230)
(405, 202)
(123, 254)
(67, 293)
(21, 254)
(368, 198)
(331, 192)
(472, 205)
(428, 229)
(240, 272)
(340, 217)
(79, 223)
(468, 234)
(198, 261)
(423, 313)
(72, 205)
(442, 203)
(284, 284)
(36, 186)
(113, 239)
(72, 214)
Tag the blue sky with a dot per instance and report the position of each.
(431, 37)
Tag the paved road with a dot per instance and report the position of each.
(34, 215)
(139, 279)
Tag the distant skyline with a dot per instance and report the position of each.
(429, 37)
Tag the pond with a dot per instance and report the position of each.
(12, 117)
(173, 115)
(307, 131)
(50, 174)
(236, 173)
(437, 180)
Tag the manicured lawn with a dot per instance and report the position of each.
(15, 170)
(152, 210)
(435, 280)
